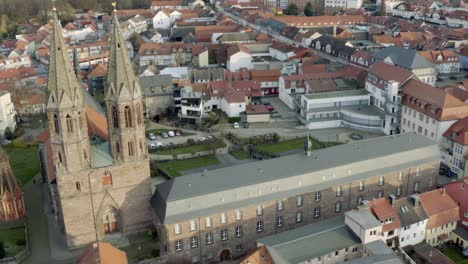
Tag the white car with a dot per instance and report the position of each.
(159, 144)
(171, 133)
(201, 138)
(236, 125)
(152, 136)
(151, 146)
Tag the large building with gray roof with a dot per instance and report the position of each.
(217, 215)
(410, 60)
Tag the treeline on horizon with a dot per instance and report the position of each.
(15, 12)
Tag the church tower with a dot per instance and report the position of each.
(123, 103)
(65, 109)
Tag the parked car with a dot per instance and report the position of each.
(465, 252)
(201, 139)
(152, 146)
(177, 133)
(152, 136)
(171, 144)
(209, 137)
(171, 133)
(6, 142)
(190, 140)
(236, 125)
(270, 107)
(266, 103)
(159, 144)
(246, 125)
(164, 135)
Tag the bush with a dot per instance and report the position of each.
(20, 143)
(8, 134)
(233, 119)
(20, 242)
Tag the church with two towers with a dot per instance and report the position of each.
(98, 159)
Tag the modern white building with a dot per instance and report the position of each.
(350, 108)
(7, 113)
(161, 20)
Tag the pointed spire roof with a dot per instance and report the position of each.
(62, 78)
(9, 186)
(120, 74)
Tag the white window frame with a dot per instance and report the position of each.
(279, 221)
(279, 205)
(318, 196)
(259, 226)
(259, 210)
(316, 212)
(339, 191)
(177, 229)
(238, 215)
(194, 242)
(223, 218)
(208, 222)
(209, 238)
(338, 207)
(361, 186)
(224, 234)
(179, 245)
(299, 200)
(381, 181)
(193, 225)
(238, 231)
(298, 217)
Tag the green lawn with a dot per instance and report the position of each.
(455, 255)
(240, 155)
(218, 143)
(10, 237)
(24, 162)
(174, 168)
(293, 144)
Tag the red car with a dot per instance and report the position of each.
(270, 107)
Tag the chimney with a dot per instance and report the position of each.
(414, 200)
(95, 245)
(391, 199)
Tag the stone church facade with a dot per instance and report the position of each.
(102, 184)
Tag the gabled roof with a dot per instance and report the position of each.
(440, 207)
(458, 132)
(9, 187)
(406, 58)
(389, 72)
(383, 210)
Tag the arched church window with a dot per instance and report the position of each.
(109, 220)
(56, 124)
(131, 150)
(138, 113)
(69, 124)
(128, 116)
(115, 117)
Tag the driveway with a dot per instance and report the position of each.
(282, 108)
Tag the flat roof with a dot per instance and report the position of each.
(364, 218)
(311, 241)
(333, 94)
(207, 193)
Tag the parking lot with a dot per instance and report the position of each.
(176, 139)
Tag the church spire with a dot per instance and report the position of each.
(63, 85)
(121, 78)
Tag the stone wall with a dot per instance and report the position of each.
(125, 187)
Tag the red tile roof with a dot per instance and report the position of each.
(383, 210)
(458, 190)
(387, 73)
(458, 132)
(440, 208)
(102, 253)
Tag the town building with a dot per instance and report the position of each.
(346, 108)
(92, 195)
(331, 6)
(158, 94)
(458, 19)
(429, 111)
(458, 190)
(443, 216)
(16, 62)
(170, 4)
(11, 196)
(165, 54)
(445, 61)
(136, 24)
(385, 83)
(198, 222)
(7, 113)
(454, 147)
(409, 60)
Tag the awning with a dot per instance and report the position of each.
(442, 237)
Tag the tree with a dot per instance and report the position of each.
(136, 40)
(308, 9)
(8, 134)
(2, 250)
(292, 10)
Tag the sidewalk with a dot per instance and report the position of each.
(37, 226)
